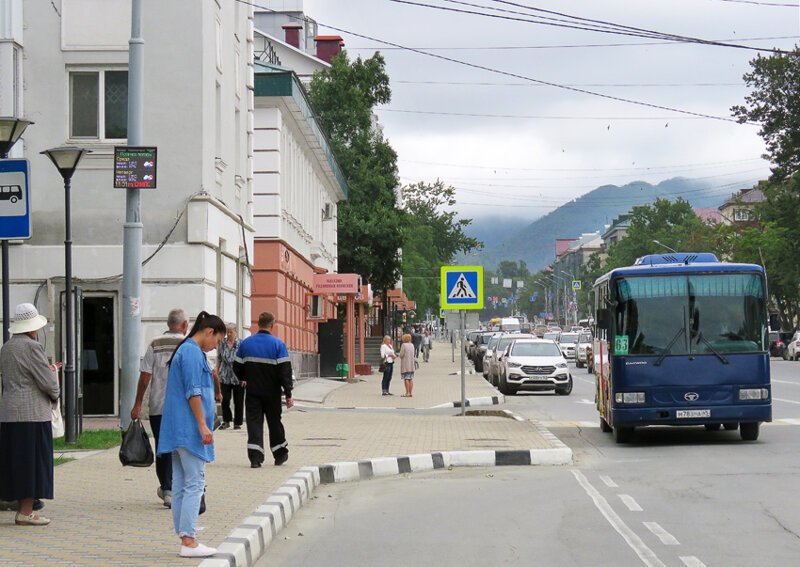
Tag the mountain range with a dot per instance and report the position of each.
(533, 240)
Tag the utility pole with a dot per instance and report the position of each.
(132, 230)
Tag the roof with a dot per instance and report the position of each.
(746, 196)
(677, 269)
(709, 214)
(562, 245)
(329, 38)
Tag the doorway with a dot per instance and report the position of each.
(97, 328)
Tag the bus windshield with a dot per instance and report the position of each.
(690, 314)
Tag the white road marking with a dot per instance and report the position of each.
(632, 505)
(583, 424)
(789, 421)
(584, 401)
(785, 401)
(608, 482)
(692, 561)
(592, 381)
(784, 382)
(646, 554)
(662, 534)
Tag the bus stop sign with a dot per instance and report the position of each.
(15, 206)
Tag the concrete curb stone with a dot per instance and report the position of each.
(249, 541)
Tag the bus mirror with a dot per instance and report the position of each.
(601, 319)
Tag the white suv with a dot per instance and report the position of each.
(534, 364)
(568, 342)
(792, 350)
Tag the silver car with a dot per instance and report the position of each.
(568, 343)
(496, 362)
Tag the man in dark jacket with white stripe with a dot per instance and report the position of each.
(263, 367)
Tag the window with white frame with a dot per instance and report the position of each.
(98, 104)
(743, 215)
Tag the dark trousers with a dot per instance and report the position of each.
(163, 462)
(387, 377)
(258, 407)
(237, 393)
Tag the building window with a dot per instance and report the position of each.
(98, 102)
(743, 215)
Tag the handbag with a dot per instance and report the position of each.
(57, 420)
(383, 366)
(135, 450)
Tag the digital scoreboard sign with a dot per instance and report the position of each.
(134, 167)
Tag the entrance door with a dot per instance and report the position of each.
(331, 346)
(98, 328)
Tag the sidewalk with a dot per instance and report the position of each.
(105, 514)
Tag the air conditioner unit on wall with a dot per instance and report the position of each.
(327, 212)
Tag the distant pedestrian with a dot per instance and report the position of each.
(263, 367)
(416, 340)
(186, 427)
(407, 365)
(387, 359)
(30, 391)
(229, 383)
(153, 372)
(427, 345)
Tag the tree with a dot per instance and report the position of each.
(371, 226)
(774, 103)
(433, 238)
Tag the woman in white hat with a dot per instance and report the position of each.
(30, 388)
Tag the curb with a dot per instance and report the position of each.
(472, 402)
(246, 543)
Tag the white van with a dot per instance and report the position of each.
(509, 325)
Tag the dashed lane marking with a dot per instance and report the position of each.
(608, 482)
(584, 401)
(557, 424)
(784, 382)
(592, 381)
(632, 505)
(662, 534)
(641, 549)
(785, 401)
(692, 561)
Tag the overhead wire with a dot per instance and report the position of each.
(633, 168)
(511, 74)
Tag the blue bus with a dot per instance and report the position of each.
(682, 339)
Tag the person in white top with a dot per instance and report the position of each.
(388, 356)
(427, 343)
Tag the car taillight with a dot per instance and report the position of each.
(797, 343)
(778, 343)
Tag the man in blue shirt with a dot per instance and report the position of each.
(264, 369)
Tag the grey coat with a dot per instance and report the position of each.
(29, 386)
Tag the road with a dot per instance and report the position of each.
(674, 496)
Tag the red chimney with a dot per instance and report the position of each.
(328, 46)
(292, 32)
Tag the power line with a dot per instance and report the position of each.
(632, 168)
(625, 85)
(771, 4)
(534, 116)
(598, 26)
(570, 46)
(510, 74)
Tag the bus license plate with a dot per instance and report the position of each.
(693, 413)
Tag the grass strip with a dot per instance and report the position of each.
(95, 439)
(61, 460)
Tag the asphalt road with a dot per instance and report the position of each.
(674, 496)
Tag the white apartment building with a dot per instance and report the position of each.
(64, 65)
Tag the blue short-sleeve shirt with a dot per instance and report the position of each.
(189, 376)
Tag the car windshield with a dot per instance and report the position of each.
(507, 340)
(568, 339)
(585, 339)
(690, 314)
(535, 349)
(485, 339)
(774, 336)
(493, 342)
(551, 336)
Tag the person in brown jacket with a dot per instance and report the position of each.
(407, 365)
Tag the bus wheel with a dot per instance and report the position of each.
(623, 434)
(14, 199)
(604, 426)
(712, 426)
(730, 426)
(749, 431)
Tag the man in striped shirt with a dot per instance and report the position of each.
(264, 369)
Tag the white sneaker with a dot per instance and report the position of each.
(199, 551)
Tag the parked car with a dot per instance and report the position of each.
(792, 350)
(540, 330)
(775, 344)
(534, 364)
(481, 342)
(552, 336)
(496, 360)
(582, 350)
(487, 356)
(568, 342)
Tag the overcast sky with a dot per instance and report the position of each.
(498, 164)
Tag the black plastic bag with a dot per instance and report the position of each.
(135, 450)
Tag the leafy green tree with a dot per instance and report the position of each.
(433, 238)
(371, 226)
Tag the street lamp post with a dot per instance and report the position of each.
(66, 159)
(11, 129)
(665, 246)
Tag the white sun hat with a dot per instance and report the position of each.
(27, 319)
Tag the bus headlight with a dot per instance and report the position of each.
(629, 397)
(754, 394)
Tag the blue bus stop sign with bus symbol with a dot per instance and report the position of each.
(15, 207)
(462, 287)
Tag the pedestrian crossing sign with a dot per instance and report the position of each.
(462, 287)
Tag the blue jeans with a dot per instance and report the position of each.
(387, 377)
(188, 482)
